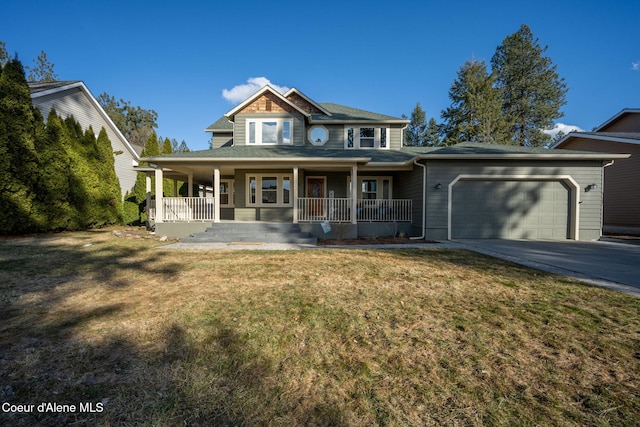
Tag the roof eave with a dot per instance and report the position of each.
(80, 84)
(256, 159)
(523, 156)
(607, 138)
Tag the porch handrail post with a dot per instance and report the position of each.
(354, 194)
(216, 193)
(295, 194)
(159, 195)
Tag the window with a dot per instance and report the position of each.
(366, 137)
(369, 189)
(373, 187)
(318, 135)
(269, 131)
(227, 193)
(269, 190)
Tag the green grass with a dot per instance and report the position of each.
(324, 337)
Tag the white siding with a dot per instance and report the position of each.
(75, 102)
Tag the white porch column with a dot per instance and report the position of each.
(354, 194)
(190, 184)
(175, 188)
(147, 183)
(295, 194)
(216, 193)
(159, 195)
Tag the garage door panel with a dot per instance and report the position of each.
(510, 209)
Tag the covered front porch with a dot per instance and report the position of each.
(341, 201)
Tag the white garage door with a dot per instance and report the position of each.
(510, 210)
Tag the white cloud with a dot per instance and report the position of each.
(241, 92)
(561, 127)
(635, 66)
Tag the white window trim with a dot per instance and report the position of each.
(280, 194)
(258, 129)
(376, 140)
(231, 186)
(380, 188)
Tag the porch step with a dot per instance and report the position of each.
(263, 232)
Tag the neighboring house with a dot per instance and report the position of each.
(286, 158)
(619, 134)
(72, 98)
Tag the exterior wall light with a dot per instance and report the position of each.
(438, 186)
(590, 187)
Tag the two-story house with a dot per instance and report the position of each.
(285, 158)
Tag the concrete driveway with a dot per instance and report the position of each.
(607, 264)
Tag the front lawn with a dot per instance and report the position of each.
(316, 337)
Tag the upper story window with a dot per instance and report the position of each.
(269, 131)
(366, 137)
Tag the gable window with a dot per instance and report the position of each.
(269, 190)
(269, 131)
(366, 137)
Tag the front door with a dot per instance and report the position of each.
(316, 190)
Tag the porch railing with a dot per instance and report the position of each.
(311, 209)
(384, 210)
(185, 209)
(367, 210)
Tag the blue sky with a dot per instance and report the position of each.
(178, 57)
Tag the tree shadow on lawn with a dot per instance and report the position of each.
(45, 358)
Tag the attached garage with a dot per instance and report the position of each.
(511, 209)
(485, 191)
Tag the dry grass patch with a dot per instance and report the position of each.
(326, 337)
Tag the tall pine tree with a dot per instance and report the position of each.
(416, 132)
(532, 91)
(475, 113)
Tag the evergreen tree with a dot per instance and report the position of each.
(138, 194)
(532, 91)
(18, 160)
(183, 148)
(42, 71)
(53, 180)
(167, 146)
(4, 56)
(416, 132)
(475, 113)
(433, 133)
(109, 199)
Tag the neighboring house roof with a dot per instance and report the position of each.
(617, 117)
(624, 137)
(42, 89)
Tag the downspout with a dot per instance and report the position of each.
(424, 200)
